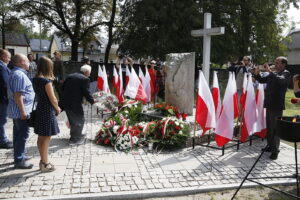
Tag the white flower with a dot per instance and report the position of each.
(115, 128)
(135, 139)
(176, 123)
(180, 132)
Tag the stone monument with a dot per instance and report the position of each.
(179, 82)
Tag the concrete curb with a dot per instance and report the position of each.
(155, 193)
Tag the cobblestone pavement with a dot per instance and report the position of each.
(93, 171)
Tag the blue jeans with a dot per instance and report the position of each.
(21, 134)
(3, 116)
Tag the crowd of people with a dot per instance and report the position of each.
(26, 85)
(156, 71)
(276, 79)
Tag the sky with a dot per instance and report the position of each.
(293, 16)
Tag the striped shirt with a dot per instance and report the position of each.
(18, 81)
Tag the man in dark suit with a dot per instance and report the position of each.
(75, 87)
(4, 73)
(277, 83)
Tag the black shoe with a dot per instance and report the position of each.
(23, 165)
(274, 156)
(76, 142)
(266, 149)
(7, 145)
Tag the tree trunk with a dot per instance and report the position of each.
(74, 49)
(110, 32)
(245, 28)
(3, 33)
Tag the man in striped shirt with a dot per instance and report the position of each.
(20, 96)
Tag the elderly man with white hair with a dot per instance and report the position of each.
(75, 87)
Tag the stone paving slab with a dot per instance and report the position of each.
(96, 172)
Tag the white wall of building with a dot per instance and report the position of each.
(18, 49)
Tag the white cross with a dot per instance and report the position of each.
(206, 33)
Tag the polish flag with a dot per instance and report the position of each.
(244, 93)
(250, 112)
(116, 84)
(105, 82)
(120, 86)
(261, 128)
(229, 111)
(115, 78)
(205, 108)
(141, 75)
(127, 75)
(100, 81)
(135, 88)
(216, 95)
(148, 86)
(235, 98)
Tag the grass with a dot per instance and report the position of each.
(290, 109)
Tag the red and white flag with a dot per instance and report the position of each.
(216, 95)
(117, 84)
(105, 82)
(127, 75)
(205, 108)
(115, 78)
(141, 75)
(261, 125)
(244, 92)
(148, 86)
(121, 89)
(229, 111)
(135, 88)
(100, 81)
(235, 98)
(250, 112)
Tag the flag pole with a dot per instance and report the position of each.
(194, 133)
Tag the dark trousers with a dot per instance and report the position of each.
(20, 136)
(3, 116)
(76, 125)
(272, 137)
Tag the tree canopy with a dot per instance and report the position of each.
(77, 19)
(155, 28)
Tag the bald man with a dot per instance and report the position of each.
(4, 73)
(21, 97)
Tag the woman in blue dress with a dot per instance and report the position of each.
(46, 110)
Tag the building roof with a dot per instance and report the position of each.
(40, 45)
(295, 39)
(64, 45)
(15, 39)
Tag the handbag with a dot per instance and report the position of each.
(31, 120)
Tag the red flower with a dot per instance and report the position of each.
(183, 116)
(177, 115)
(177, 127)
(106, 141)
(294, 100)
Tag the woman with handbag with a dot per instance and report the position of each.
(46, 110)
